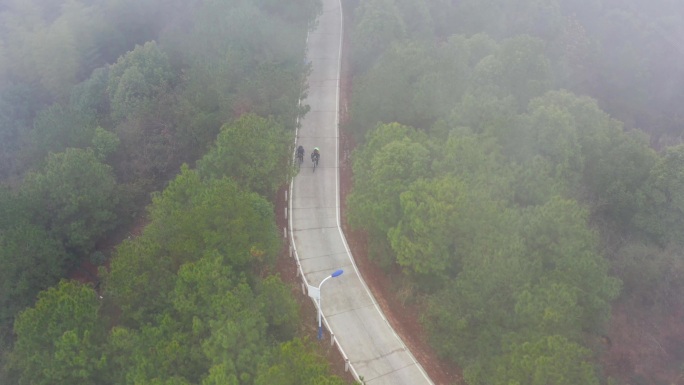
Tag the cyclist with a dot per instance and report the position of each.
(300, 154)
(315, 155)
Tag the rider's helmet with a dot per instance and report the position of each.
(316, 149)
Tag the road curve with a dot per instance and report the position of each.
(375, 352)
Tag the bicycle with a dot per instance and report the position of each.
(300, 156)
(314, 158)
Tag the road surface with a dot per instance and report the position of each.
(374, 350)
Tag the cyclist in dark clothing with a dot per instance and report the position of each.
(300, 154)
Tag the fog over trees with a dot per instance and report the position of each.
(519, 161)
(175, 115)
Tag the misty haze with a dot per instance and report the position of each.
(511, 182)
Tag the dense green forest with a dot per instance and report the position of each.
(181, 113)
(519, 161)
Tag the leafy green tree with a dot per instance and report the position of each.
(563, 249)
(442, 221)
(469, 317)
(201, 287)
(519, 68)
(553, 136)
(547, 360)
(73, 197)
(574, 54)
(188, 219)
(54, 130)
(438, 74)
(9, 146)
(104, 143)
(378, 24)
(137, 78)
(243, 329)
(57, 44)
(273, 89)
(616, 164)
(219, 375)
(96, 33)
(294, 363)
(484, 113)
(212, 51)
(422, 240)
(18, 105)
(662, 216)
(445, 90)
(279, 308)
(548, 308)
(200, 299)
(91, 95)
(254, 152)
(214, 331)
(393, 157)
(138, 280)
(150, 151)
(539, 272)
(59, 339)
(167, 381)
(535, 183)
(55, 52)
(213, 327)
(242, 57)
(160, 352)
(474, 159)
(617, 168)
(32, 261)
(399, 68)
(231, 319)
(192, 215)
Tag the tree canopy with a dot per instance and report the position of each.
(73, 197)
(101, 104)
(253, 151)
(509, 154)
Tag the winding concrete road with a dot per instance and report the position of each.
(375, 352)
